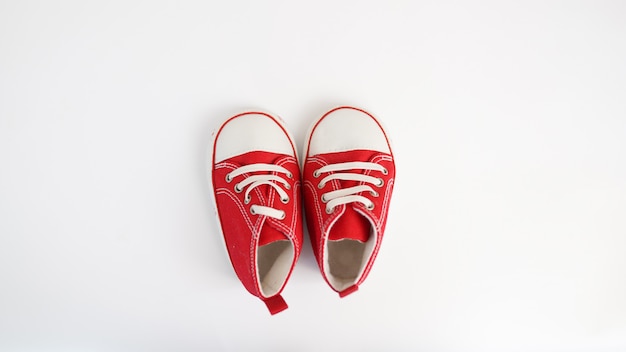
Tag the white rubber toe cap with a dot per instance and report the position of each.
(347, 128)
(251, 132)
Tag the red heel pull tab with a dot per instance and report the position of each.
(275, 304)
(348, 291)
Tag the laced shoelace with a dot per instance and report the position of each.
(257, 180)
(350, 194)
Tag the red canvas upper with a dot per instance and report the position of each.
(244, 232)
(351, 220)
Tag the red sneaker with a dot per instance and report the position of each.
(255, 177)
(348, 178)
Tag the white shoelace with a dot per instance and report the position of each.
(349, 195)
(257, 180)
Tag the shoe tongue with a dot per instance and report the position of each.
(350, 225)
(270, 235)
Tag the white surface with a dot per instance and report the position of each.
(507, 231)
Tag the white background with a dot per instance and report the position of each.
(507, 230)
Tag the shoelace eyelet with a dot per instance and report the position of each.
(370, 206)
(320, 185)
(381, 182)
(275, 177)
(316, 173)
(330, 210)
(385, 172)
(374, 193)
(324, 200)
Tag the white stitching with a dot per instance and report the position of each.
(308, 184)
(387, 199)
(226, 165)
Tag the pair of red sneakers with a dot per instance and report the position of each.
(346, 183)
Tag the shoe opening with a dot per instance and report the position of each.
(346, 261)
(274, 262)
